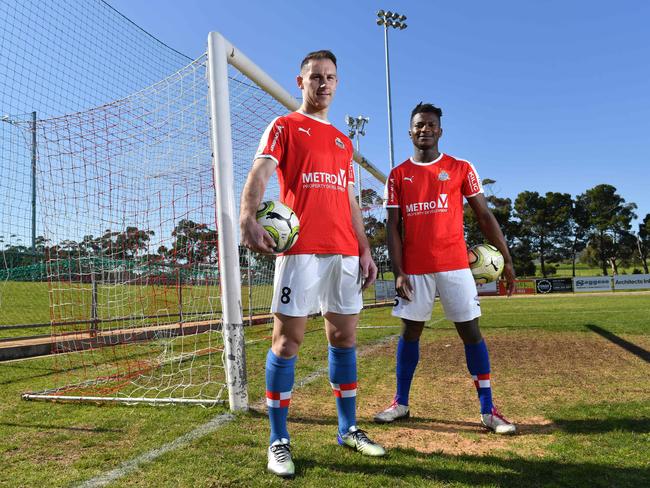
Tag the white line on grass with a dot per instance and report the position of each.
(133, 464)
(209, 427)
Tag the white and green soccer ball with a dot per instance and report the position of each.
(485, 262)
(280, 222)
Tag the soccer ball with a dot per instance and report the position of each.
(280, 222)
(485, 262)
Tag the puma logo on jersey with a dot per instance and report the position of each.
(409, 178)
(306, 131)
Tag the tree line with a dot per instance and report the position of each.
(542, 231)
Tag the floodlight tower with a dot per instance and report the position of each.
(396, 21)
(356, 129)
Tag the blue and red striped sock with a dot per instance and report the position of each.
(343, 377)
(478, 364)
(280, 374)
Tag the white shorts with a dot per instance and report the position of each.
(457, 292)
(305, 284)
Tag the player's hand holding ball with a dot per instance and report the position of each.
(280, 222)
(485, 262)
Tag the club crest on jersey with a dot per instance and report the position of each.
(339, 143)
(443, 176)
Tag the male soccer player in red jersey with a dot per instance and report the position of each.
(428, 253)
(329, 265)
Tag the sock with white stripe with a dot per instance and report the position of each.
(478, 364)
(343, 377)
(280, 374)
(408, 355)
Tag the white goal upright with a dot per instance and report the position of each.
(149, 294)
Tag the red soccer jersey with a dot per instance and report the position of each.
(430, 199)
(314, 169)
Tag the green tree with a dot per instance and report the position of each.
(580, 227)
(376, 233)
(610, 223)
(194, 243)
(643, 242)
(545, 223)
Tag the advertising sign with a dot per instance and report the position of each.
(554, 285)
(384, 290)
(522, 287)
(592, 283)
(487, 288)
(631, 282)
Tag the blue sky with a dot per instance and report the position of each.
(542, 96)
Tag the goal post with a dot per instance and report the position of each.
(140, 250)
(230, 278)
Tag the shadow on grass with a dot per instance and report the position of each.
(418, 423)
(47, 427)
(619, 341)
(596, 426)
(407, 466)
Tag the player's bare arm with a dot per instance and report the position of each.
(368, 266)
(393, 225)
(492, 232)
(253, 234)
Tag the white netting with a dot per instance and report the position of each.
(130, 249)
(128, 207)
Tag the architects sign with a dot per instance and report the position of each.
(631, 282)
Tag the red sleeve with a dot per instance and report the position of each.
(351, 177)
(273, 141)
(391, 191)
(472, 182)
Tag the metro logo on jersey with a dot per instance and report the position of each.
(321, 179)
(433, 206)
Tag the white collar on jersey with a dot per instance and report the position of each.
(326, 122)
(428, 162)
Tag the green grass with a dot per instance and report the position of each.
(581, 402)
(29, 303)
(582, 269)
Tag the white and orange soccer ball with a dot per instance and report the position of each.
(280, 222)
(485, 262)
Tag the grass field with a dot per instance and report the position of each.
(571, 371)
(29, 303)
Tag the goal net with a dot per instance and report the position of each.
(148, 289)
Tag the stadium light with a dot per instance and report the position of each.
(396, 21)
(356, 129)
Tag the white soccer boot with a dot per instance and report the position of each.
(280, 462)
(497, 422)
(392, 413)
(358, 440)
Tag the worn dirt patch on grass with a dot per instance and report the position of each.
(531, 374)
